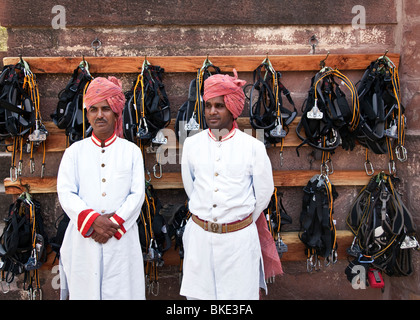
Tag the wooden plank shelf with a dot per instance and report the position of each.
(177, 64)
(173, 180)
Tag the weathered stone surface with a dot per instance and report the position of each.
(130, 12)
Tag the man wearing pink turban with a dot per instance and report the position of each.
(228, 179)
(100, 186)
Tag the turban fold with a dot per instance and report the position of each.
(231, 90)
(101, 89)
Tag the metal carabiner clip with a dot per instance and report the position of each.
(372, 171)
(401, 153)
(34, 295)
(14, 177)
(154, 284)
(31, 165)
(148, 174)
(160, 170)
(43, 170)
(391, 167)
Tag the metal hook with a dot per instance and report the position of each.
(96, 45)
(313, 41)
(322, 62)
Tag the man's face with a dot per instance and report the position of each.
(217, 115)
(102, 119)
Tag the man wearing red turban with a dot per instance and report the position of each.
(100, 185)
(228, 179)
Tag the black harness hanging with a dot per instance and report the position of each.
(23, 245)
(317, 224)
(70, 112)
(190, 117)
(20, 115)
(328, 120)
(383, 229)
(266, 109)
(382, 120)
(277, 217)
(147, 108)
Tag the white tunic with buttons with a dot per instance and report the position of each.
(225, 181)
(95, 180)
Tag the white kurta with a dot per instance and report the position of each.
(225, 182)
(95, 180)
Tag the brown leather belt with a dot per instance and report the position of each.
(222, 227)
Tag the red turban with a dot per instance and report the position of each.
(231, 90)
(110, 89)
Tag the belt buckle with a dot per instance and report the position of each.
(215, 227)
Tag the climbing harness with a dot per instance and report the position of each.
(190, 118)
(382, 120)
(147, 108)
(20, 116)
(383, 229)
(266, 109)
(176, 217)
(328, 120)
(22, 245)
(70, 112)
(277, 216)
(154, 238)
(147, 111)
(318, 231)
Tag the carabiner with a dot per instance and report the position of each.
(154, 284)
(43, 170)
(32, 165)
(401, 153)
(365, 261)
(160, 170)
(372, 171)
(281, 158)
(14, 170)
(391, 167)
(148, 174)
(34, 294)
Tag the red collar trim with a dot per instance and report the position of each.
(106, 143)
(224, 138)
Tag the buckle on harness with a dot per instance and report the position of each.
(278, 131)
(315, 113)
(160, 138)
(409, 242)
(192, 124)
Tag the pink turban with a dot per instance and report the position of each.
(110, 89)
(231, 90)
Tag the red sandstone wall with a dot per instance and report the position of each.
(159, 28)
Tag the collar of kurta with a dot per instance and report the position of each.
(224, 138)
(105, 143)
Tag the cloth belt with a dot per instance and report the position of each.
(222, 227)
